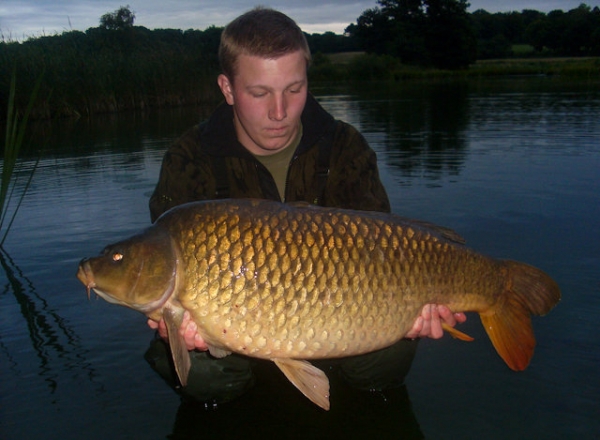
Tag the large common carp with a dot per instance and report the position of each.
(295, 282)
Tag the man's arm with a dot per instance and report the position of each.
(353, 181)
(184, 176)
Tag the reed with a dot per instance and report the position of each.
(11, 193)
(104, 71)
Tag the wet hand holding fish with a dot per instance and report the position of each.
(289, 283)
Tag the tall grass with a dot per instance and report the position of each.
(11, 195)
(103, 71)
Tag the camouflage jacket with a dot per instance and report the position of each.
(209, 153)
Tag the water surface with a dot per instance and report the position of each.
(512, 165)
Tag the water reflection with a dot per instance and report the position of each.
(55, 344)
(429, 133)
(124, 132)
(422, 129)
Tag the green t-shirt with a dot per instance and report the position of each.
(278, 163)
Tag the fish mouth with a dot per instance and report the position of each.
(86, 276)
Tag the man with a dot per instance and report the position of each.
(272, 140)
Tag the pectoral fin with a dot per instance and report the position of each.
(456, 333)
(181, 357)
(311, 381)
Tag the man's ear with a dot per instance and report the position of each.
(226, 88)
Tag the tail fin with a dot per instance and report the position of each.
(508, 324)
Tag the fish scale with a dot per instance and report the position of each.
(295, 282)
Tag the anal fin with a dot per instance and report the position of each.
(311, 381)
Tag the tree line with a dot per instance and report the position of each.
(442, 34)
(573, 33)
(118, 65)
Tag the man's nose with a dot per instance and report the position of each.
(277, 111)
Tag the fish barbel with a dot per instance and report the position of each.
(291, 283)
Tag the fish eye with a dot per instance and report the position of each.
(117, 256)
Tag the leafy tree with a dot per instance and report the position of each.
(578, 28)
(330, 42)
(595, 35)
(485, 25)
(572, 33)
(372, 31)
(491, 34)
(537, 33)
(449, 38)
(121, 19)
(529, 16)
(425, 32)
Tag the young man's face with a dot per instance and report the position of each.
(268, 96)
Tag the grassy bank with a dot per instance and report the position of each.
(360, 66)
(568, 67)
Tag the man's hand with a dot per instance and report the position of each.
(188, 329)
(429, 324)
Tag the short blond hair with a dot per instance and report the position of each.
(261, 32)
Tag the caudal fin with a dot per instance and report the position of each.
(508, 324)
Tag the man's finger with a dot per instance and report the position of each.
(415, 331)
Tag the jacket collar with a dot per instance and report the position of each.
(217, 135)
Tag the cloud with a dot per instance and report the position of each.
(25, 18)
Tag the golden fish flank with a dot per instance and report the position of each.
(289, 283)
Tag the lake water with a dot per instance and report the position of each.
(513, 165)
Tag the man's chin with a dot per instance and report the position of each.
(274, 145)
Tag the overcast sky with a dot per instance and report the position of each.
(26, 18)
